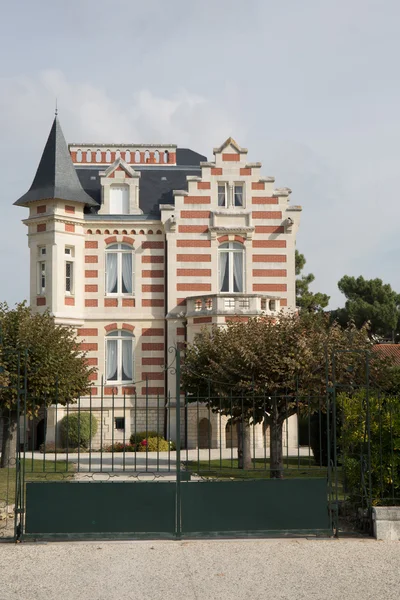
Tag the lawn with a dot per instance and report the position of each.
(35, 470)
(294, 467)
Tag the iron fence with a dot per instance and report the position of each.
(344, 446)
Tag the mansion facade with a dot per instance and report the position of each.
(140, 246)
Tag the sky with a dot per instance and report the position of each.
(311, 88)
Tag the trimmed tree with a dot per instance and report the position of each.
(42, 357)
(266, 370)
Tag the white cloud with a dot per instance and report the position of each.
(87, 113)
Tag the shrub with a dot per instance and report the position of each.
(137, 437)
(50, 448)
(120, 447)
(379, 440)
(153, 444)
(77, 429)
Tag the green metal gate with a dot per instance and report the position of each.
(120, 486)
(179, 493)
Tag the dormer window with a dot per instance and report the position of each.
(119, 200)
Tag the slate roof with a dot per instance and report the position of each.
(391, 351)
(56, 176)
(156, 183)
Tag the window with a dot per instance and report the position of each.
(222, 194)
(69, 270)
(119, 269)
(231, 267)
(119, 200)
(238, 194)
(41, 278)
(119, 423)
(225, 192)
(119, 356)
(42, 251)
(69, 277)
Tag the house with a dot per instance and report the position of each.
(140, 246)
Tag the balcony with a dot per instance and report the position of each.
(232, 304)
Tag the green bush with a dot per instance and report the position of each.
(137, 437)
(77, 429)
(153, 444)
(382, 433)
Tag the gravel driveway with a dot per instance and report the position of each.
(251, 569)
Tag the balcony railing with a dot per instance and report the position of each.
(235, 304)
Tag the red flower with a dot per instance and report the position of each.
(143, 443)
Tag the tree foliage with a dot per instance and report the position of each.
(48, 353)
(269, 355)
(305, 298)
(369, 301)
(40, 362)
(375, 474)
(267, 369)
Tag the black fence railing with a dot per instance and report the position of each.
(351, 438)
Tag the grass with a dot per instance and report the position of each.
(294, 467)
(35, 470)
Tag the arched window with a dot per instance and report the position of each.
(156, 156)
(231, 267)
(147, 156)
(88, 156)
(119, 356)
(108, 156)
(119, 269)
(137, 156)
(119, 200)
(166, 156)
(79, 156)
(117, 154)
(98, 156)
(127, 156)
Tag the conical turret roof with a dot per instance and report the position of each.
(56, 176)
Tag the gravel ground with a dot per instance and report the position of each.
(202, 570)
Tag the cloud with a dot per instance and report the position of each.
(90, 113)
(87, 113)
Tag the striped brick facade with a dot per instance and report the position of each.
(175, 263)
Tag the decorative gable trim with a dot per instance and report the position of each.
(119, 164)
(230, 142)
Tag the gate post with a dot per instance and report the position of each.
(178, 442)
